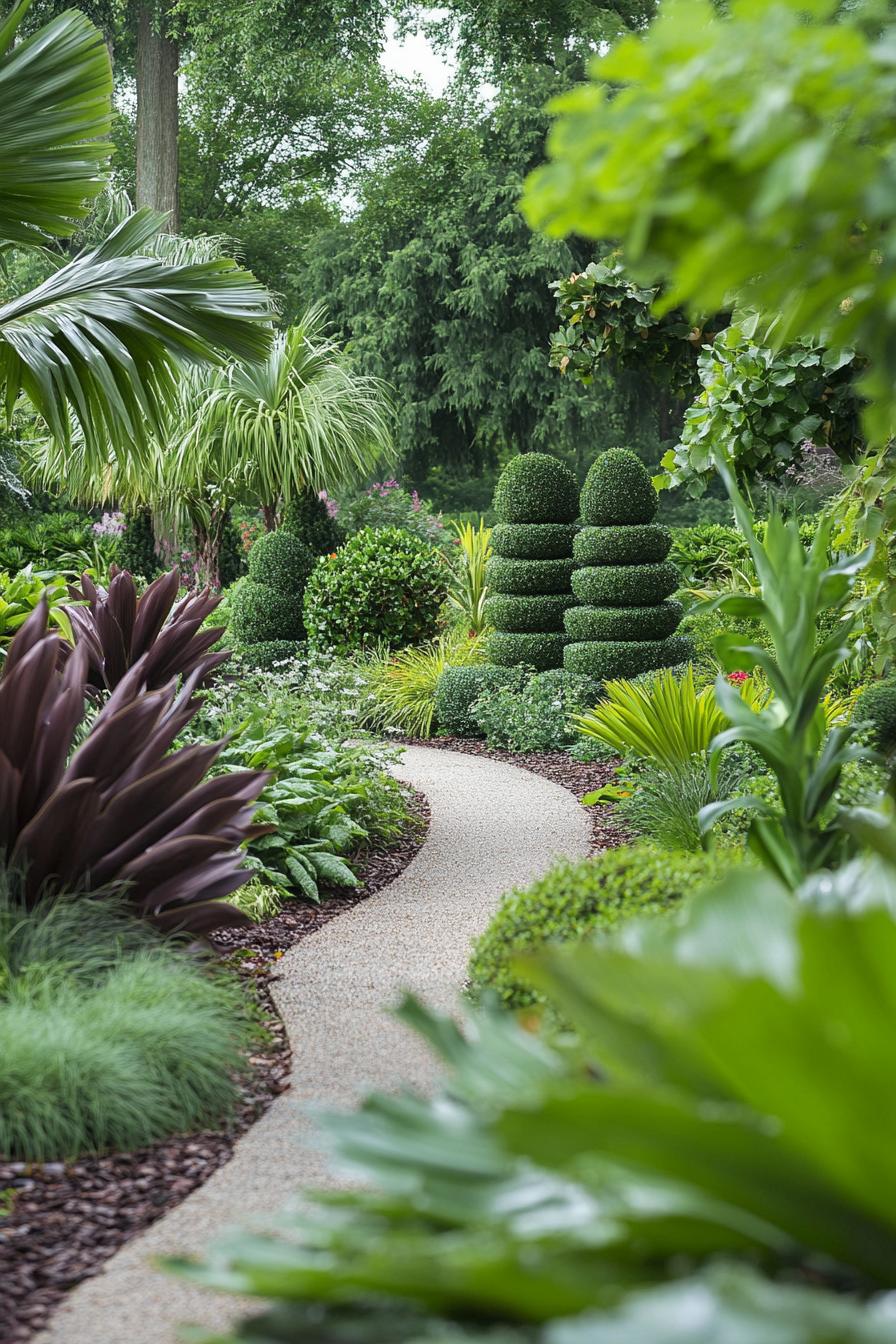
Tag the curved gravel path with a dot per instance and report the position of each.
(494, 826)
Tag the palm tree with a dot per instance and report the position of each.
(302, 419)
(101, 342)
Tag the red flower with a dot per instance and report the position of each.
(737, 678)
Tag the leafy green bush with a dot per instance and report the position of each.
(21, 593)
(519, 614)
(574, 900)
(521, 577)
(458, 690)
(280, 560)
(710, 554)
(533, 541)
(308, 518)
(536, 488)
(265, 655)
(623, 623)
(540, 651)
(110, 1037)
(137, 546)
(384, 586)
(534, 716)
(386, 504)
(260, 614)
(877, 705)
(625, 585)
(634, 544)
(618, 490)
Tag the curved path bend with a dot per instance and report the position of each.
(494, 826)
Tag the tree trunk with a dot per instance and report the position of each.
(269, 514)
(157, 117)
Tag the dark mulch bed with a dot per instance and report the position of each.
(66, 1219)
(577, 776)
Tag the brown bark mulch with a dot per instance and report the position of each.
(64, 1219)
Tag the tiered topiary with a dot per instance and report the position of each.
(628, 619)
(537, 504)
(267, 606)
(308, 518)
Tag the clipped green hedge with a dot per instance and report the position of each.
(536, 488)
(541, 611)
(574, 900)
(529, 576)
(622, 658)
(260, 613)
(458, 690)
(281, 561)
(540, 651)
(625, 623)
(632, 544)
(533, 541)
(265, 655)
(877, 705)
(618, 489)
(625, 585)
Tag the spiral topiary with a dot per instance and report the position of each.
(308, 518)
(267, 606)
(627, 622)
(529, 574)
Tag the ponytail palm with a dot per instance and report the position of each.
(302, 419)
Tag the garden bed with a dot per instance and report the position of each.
(67, 1219)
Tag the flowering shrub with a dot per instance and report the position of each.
(110, 525)
(388, 504)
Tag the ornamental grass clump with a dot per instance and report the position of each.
(528, 576)
(628, 619)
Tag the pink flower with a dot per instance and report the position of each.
(738, 678)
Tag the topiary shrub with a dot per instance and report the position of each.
(536, 488)
(458, 690)
(260, 613)
(308, 518)
(529, 573)
(137, 545)
(574, 900)
(877, 705)
(268, 654)
(384, 586)
(281, 561)
(533, 541)
(542, 612)
(625, 624)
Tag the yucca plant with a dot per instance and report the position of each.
(405, 683)
(122, 810)
(117, 628)
(468, 589)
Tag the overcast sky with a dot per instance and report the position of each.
(413, 56)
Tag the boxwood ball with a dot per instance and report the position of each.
(536, 488)
(618, 489)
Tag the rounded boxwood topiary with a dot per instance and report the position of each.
(385, 586)
(458, 690)
(541, 611)
(608, 659)
(281, 561)
(573, 900)
(877, 706)
(540, 651)
(259, 613)
(266, 655)
(625, 585)
(533, 541)
(536, 488)
(626, 623)
(632, 544)
(529, 576)
(618, 489)
(307, 517)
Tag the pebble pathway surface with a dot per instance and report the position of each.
(494, 826)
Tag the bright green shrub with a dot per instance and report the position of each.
(877, 705)
(623, 623)
(621, 658)
(518, 614)
(268, 654)
(536, 488)
(308, 518)
(540, 651)
(533, 541)
(625, 585)
(110, 1037)
(618, 489)
(529, 576)
(281, 561)
(574, 900)
(405, 683)
(634, 544)
(458, 690)
(385, 586)
(535, 715)
(664, 719)
(259, 614)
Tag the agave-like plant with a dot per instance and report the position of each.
(117, 628)
(123, 811)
